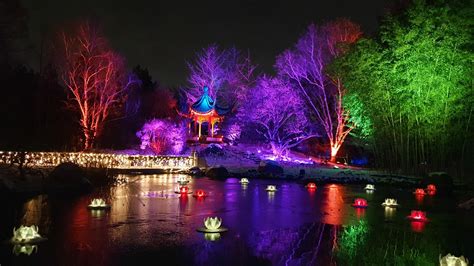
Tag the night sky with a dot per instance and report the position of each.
(162, 35)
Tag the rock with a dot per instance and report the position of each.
(195, 171)
(217, 172)
(442, 181)
(271, 168)
(67, 177)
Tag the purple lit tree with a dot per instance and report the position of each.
(278, 111)
(305, 67)
(162, 136)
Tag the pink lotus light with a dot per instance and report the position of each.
(199, 194)
(419, 191)
(360, 203)
(419, 216)
(431, 189)
(311, 185)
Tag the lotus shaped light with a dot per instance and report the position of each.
(418, 216)
(26, 234)
(450, 260)
(212, 225)
(369, 187)
(360, 203)
(271, 188)
(24, 249)
(244, 180)
(182, 180)
(419, 191)
(98, 203)
(311, 185)
(431, 187)
(390, 203)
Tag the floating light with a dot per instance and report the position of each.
(212, 225)
(244, 181)
(98, 203)
(418, 216)
(419, 191)
(199, 194)
(369, 187)
(360, 203)
(183, 190)
(24, 249)
(271, 188)
(451, 260)
(26, 235)
(182, 180)
(311, 185)
(431, 189)
(392, 203)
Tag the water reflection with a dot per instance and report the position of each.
(212, 236)
(97, 213)
(332, 206)
(389, 213)
(417, 226)
(24, 249)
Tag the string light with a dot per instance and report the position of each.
(99, 160)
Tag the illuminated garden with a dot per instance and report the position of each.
(263, 133)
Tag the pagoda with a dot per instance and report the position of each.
(204, 114)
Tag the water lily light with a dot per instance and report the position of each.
(98, 203)
(431, 189)
(369, 187)
(392, 203)
(24, 249)
(182, 180)
(271, 188)
(311, 185)
(419, 191)
(360, 203)
(200, 194)
(26, 235)
(418, 216)
(183, 190)
(451, 260)
(244, 181)
(212, 225)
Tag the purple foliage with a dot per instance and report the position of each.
(162, 136)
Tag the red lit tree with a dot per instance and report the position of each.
(305, 66)
(95, 77)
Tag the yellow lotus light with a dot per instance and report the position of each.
(212, 225)
(182, 180)
(98, 204)
(369, 187)
(26, 235)
(392, 203)
(244, 181)
(24, 249)
(271, 188)
(451, 260)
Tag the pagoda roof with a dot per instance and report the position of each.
(206, 104)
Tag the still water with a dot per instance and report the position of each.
(149, 223)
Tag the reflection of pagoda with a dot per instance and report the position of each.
(204, 114)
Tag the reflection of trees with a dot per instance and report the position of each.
(36, 212)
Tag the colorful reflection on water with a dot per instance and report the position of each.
(148, 220)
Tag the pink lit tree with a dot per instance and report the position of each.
(162, 136)
(95, 77)
(305, 67)
(278, 111)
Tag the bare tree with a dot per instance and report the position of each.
(95, 77)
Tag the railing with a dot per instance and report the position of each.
(98, 160)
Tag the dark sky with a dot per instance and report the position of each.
(162, 35)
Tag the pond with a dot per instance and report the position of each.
(149, 222)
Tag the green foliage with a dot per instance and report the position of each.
(415, 84)
(352, 239)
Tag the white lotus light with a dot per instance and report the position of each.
(451, 260)
(212, 225)
(244, 181)
(390, 203)
(271, 188)
(98, 203)
(24, 249)
(369, 187)
(26, 234)
(182, 180)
